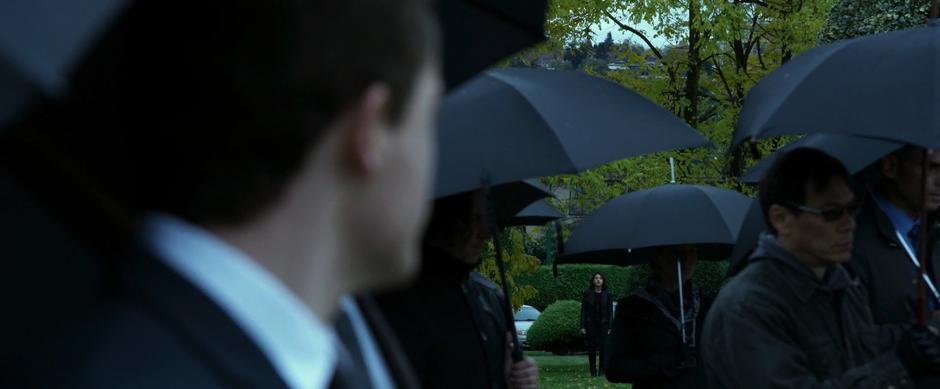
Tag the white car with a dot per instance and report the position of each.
(524, 317)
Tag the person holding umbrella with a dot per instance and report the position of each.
(648, 345)
(450, 320)
(597, 307)
(795, 317)
(655, 333)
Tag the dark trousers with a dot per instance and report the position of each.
(596, 340)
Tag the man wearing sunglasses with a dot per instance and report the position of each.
(889, 228)
(795, 317)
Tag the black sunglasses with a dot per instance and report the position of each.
(831, 214)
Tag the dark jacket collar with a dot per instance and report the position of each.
(395, 358)
(200, 324)
(882, 223)
(804, 282)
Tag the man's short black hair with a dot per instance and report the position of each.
(207, 109)
(786, 182)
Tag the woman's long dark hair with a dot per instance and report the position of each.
(603, 286)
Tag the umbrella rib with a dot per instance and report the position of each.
(541, 117)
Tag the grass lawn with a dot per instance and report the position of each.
(567, 372)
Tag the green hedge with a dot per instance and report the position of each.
(558, 329)
(573, 280)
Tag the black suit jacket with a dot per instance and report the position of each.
(882, 265)
(162, 332)
(393, 355)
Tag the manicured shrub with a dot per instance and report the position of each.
(558, 329)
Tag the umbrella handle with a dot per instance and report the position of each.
(495, 233)
(559, 247)
(681, 300)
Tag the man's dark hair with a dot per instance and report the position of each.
(786, 182)
(207, 109)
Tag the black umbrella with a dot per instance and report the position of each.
(512, 198)
(854, 152)
(537, 214)
(511, 124)
(40, 40)
(883, 86)
(628, 229)
(479, 33)
(750, 231)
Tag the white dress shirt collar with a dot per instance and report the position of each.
(299, 346)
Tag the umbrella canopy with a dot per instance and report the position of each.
(40, 40)
(479, 33)
(536, 214)
(512, 198)
(625, 230)
(854, 152)
(884, 86)
(512, 124)
(748, 235)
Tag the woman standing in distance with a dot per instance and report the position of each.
(596, 316)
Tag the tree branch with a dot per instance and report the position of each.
(760, 55)
(757, 2)
(635, 32)
(724, 81)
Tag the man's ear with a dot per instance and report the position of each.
(362, 142)
(890, 166)
(780, 217)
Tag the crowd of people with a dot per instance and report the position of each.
(269, 183)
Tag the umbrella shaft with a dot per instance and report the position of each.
(672, 169)
(681, 299)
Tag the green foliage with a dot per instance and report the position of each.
(558, 328)
(573, 280)
(518, 263)
(854, 18)
(716, 51)
(710, 276)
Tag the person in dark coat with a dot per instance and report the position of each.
(795, 317)
(451, 321)
(646, 346)
(266, 181)
(597, 306)
(878, 257)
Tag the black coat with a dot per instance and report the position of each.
(161, 332)
(588, 314)
(645, 346)
(451, 325)
(389, 347)
(776, 325)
